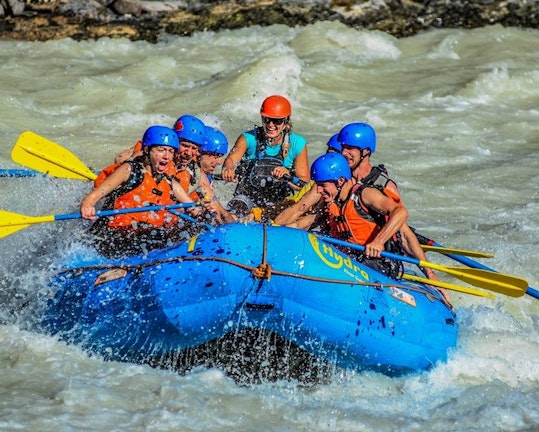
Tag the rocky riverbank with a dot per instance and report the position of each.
(40, 20)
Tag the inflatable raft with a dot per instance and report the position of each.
(236, 277)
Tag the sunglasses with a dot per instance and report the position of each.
(275, 121)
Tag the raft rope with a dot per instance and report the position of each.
(254, 270)
(264, 270)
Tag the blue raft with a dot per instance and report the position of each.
(277, 279)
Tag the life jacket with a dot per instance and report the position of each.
(189, 179)
(379, 179)
(105, 172)
(186, 177)
(354, 222)
(140, 190)
(255, 176)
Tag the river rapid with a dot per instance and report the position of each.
(457, 118)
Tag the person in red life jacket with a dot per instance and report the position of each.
(365, 216)
(265, 159)
(212, 151)
(358, 143)
(303, 210)
(140, 182)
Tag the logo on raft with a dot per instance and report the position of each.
(335, 259)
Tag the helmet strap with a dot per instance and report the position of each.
(363, 155)
(338, 200)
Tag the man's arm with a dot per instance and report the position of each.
(397, 215)
(291, 214)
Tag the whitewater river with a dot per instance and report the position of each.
(457, 117)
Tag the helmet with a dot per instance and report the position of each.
(190, 128)
(214, 141)
(160, 136)
(334, 143)
(276, 107)
(360, 135)
(330, 167)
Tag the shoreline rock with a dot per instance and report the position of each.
(42, 20)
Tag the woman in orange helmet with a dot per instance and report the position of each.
(268, 160)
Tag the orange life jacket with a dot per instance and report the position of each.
(345, 223)
(353, 221)
(358, 224)
(184, 178)
(140, 190)
(105, 172)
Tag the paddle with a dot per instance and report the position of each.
(446, 285)
(13, 222)
(43, 155)
(471, 263)
(445, 250)
(498, 282)
(287, 177)
(19, 173)
(428, 246)
(193, 220)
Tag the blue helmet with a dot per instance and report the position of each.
(330, 167)
(214, 141)
(360, 135)
(334, 143)
(160, 136)
(190, 128)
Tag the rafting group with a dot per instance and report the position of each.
(160, 192)
(320, 255)
(341, 194)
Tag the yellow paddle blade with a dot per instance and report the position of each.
(448, 286)
(13, 222)
(446, 250)
(508, 285)
(40, 154)
(498, 282)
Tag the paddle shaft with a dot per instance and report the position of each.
(193, 220)
(471, 263)
(288, 178)
(105, 213)
(19, 173)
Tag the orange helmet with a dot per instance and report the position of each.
(276, 107)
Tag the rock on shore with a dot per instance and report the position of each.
(40, 20)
